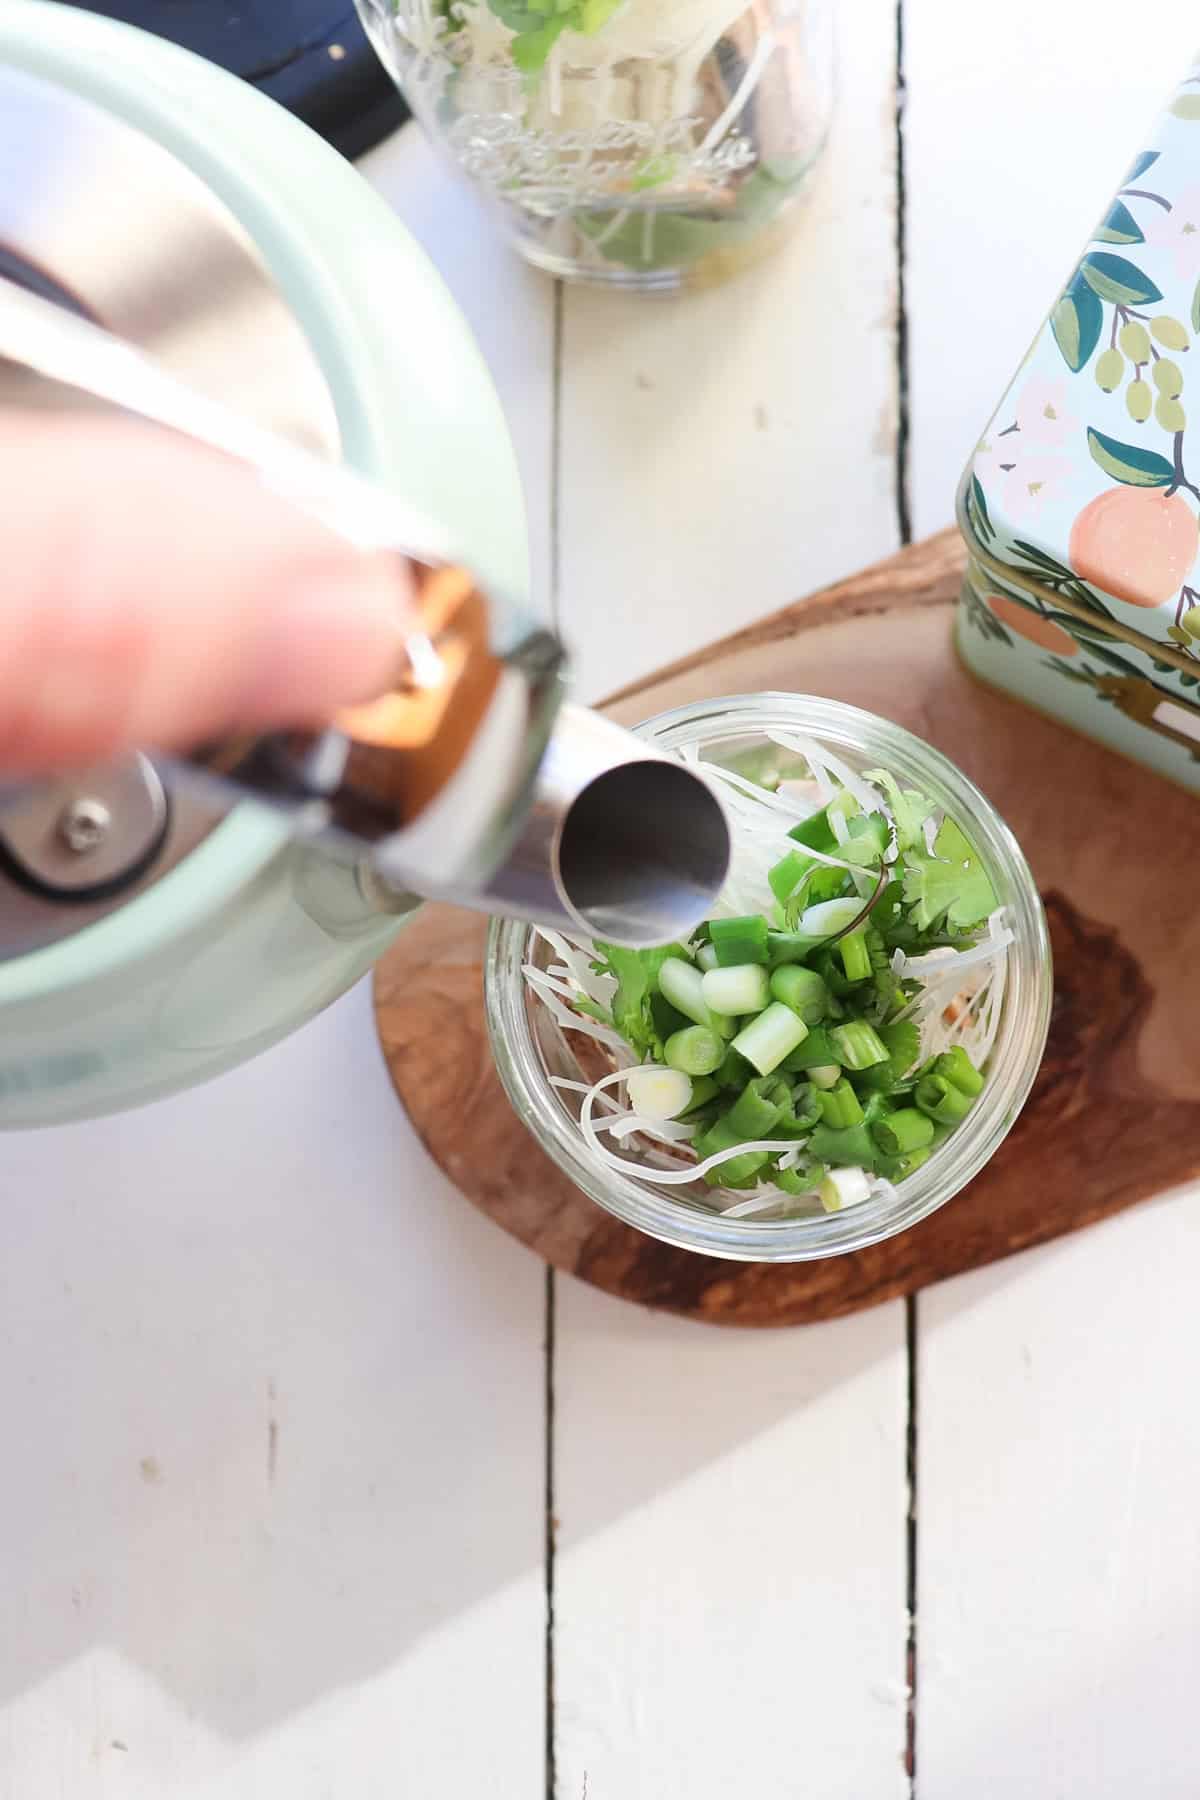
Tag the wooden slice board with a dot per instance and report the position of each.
(1115, 1115)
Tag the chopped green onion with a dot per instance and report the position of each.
(707, 956)
(788, 947)
(667, 1018)
(908, 1129)
(734, 1072)
(658, 1093)
(803, 990)
(898, 1168)
(825, 1075)
(743, 940)
(739, 1168)
(902, 1042)
(816, 832)
(683, 986)
(855, 958)
(791, 1182)
(845, 1187)
(857, 1044)
(958, 1069)
(752, 1115)
(817, 1048)
(779, 1089)
(806, 1105)
(942, 1100)
(703, 1090)
(695, 1050)
(766, 1040)
(786, 875)
(828, 917)
(840, 1106)
(828, 965)
(732, 992)
(853, 1146)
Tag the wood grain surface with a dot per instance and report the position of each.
(1115, 1115)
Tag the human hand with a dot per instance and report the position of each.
(153, 594)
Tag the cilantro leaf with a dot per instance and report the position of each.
(636, 975)
(910, 809)
(590, 15)
(539, 24)
(951, 882)
(631, 1002)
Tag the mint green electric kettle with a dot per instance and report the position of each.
(160, 922)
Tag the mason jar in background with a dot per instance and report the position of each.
(650, 144)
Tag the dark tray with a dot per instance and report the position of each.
(310, 55)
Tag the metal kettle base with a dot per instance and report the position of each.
(176, 274)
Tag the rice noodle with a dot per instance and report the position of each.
(767, 1201)
(820, 759)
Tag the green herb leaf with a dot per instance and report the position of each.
(950, 883)
(531, 48)
(653, 171)
(910, 808)
(591, 15)
(631, 1013)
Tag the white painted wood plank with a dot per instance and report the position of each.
(1018, 127)
(510, 310)
(272, 1510)
(1059, 1561)
(730, 1578)
(1059, 1457)
(273, 1498)
(729, 1594)
(727, 451)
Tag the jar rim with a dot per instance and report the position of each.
(1013, 1065)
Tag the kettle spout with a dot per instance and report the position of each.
(618, 841)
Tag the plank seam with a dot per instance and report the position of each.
(551, 1527)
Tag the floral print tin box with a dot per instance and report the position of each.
(1080, 506)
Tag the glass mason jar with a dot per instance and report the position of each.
(644, 143)
(530, 1047)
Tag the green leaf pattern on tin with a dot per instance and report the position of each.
(1077, 321)
(1119, 226)
(1115, 278)
(1130, 463)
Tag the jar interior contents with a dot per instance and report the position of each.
(631, 141)
(819, 1038)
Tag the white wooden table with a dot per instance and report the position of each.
(314, 1486)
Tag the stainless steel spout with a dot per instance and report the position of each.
(618, 840)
